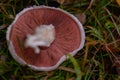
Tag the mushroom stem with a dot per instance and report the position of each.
(44, 35)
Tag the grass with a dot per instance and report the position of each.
(96, 61)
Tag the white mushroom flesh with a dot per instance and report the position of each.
(44, 35)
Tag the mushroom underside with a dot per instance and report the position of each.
(67, 36)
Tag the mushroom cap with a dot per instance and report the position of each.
(69, 37)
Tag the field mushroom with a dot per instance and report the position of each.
(41, 36)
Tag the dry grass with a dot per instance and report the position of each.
(96, 61)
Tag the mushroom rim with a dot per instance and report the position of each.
(63, 58)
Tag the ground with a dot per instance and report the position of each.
(98, 60)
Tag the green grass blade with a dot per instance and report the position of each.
(76, 67)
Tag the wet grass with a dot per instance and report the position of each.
(96, 61)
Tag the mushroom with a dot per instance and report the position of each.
(44, 36)
(41, 36)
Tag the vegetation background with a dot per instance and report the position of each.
(98, 60)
